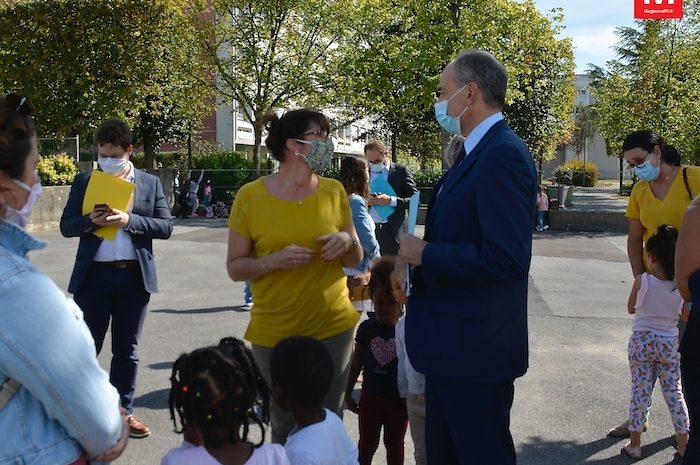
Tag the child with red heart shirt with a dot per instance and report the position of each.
(375, 355)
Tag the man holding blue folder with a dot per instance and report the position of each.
(391, 187)
(114, 275)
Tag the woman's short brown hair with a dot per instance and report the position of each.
(291, 126)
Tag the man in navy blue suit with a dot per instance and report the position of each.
(466, 326)
(114, 279)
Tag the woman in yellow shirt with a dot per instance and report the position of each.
(660, 197)
(291, 234)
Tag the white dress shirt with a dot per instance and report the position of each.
(385, 174)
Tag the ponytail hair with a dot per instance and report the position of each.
(662, 246)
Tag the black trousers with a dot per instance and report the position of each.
(116, 294)
(690, 372)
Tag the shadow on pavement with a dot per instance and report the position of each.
(535, 450)
(195, 311)
(154, 400)
(161, 366)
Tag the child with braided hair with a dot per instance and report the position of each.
(214, 394)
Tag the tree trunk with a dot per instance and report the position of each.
(257, 130)
(621, 173)
(394, 156)
(149, 153)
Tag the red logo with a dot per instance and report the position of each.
(658, 9)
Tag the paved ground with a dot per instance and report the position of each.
(576, 388)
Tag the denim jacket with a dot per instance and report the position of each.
(65, 404)
(365, 231)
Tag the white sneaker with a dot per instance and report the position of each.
(539, 228)
(247, 306)
(546, 226)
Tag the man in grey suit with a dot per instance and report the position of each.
(401, 180)
(114, 279)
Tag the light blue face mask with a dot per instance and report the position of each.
(646, 171)
(449, 123)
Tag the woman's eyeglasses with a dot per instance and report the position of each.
(317, 132)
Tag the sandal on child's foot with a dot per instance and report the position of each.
(632, 452)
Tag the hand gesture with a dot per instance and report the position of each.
(380, 199)
(290, 257)
(411, 249)
(336, 245)
(99, 216)
(117, 218)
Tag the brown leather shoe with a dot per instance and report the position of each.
(137, 429)
(623, 429)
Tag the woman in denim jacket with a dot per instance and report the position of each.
(354, 176)
(57, 405)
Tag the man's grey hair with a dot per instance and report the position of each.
(486, 71)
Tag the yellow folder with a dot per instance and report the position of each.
(105, 188)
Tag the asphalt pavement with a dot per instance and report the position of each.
(577, 386)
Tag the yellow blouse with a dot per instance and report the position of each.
(652, 212)
(311, 300)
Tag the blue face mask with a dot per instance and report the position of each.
(449, 123)
(647, 172)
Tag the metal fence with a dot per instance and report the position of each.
(225, 182)
(606, 195)
(55, 145)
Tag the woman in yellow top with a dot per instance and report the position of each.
(291, 234)
(660, 197)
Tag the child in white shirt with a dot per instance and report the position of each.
(301, 370)
(653, 346)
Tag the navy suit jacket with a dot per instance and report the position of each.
(150, 219)
(467, 313)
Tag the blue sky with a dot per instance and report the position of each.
(591, 26)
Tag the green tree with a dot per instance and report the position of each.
(396, 51)
(654, 83)
(82, 61)
(274, 54)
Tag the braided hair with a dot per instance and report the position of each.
(219, 388)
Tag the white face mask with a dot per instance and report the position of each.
(112, 165)
(21, 217)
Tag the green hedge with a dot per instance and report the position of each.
(574, 172)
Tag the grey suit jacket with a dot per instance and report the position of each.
(150, 219)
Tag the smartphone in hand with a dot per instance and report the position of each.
(102, 208)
